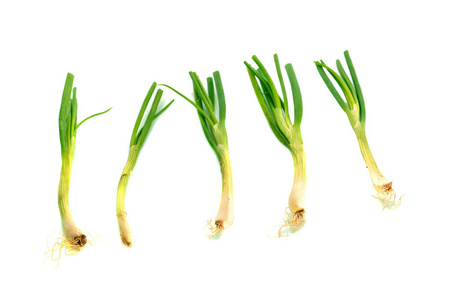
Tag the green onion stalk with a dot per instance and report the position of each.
(212, 120)
(276, 111)
(140, 133)
(74, 240)
(354, 107)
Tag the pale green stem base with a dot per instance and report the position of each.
(124, 228)
(297, 196)
(75, 239)
(294, 219)
(225, 216)
(385, 193)
(69, 228)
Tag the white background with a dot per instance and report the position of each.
(349, 248)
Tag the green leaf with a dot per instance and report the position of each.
(268, 93)
(331, 87)
(199, 109)
(148, 122)
(268, 96)
(264, 88)
(220, 96)
(359, 94)
(269, 81)
(283, 88)
(198, 86)
(207, 129)
(64, 113)
(347, 93)
(137, 124)
(94, 115)
(296, 95)
(73, 114)
(165, 108)
(211, 95)
(344, 76)
(265, 107)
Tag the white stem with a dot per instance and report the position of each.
(297, 196)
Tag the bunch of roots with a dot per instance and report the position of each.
(293, 222)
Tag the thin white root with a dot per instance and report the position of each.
(67, 246)
(293, 222)
(387, 196)
(216, 229)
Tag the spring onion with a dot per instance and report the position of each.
(355, 109)
(73, 239)
(212, 120)
(140, 133)
(276, 111)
